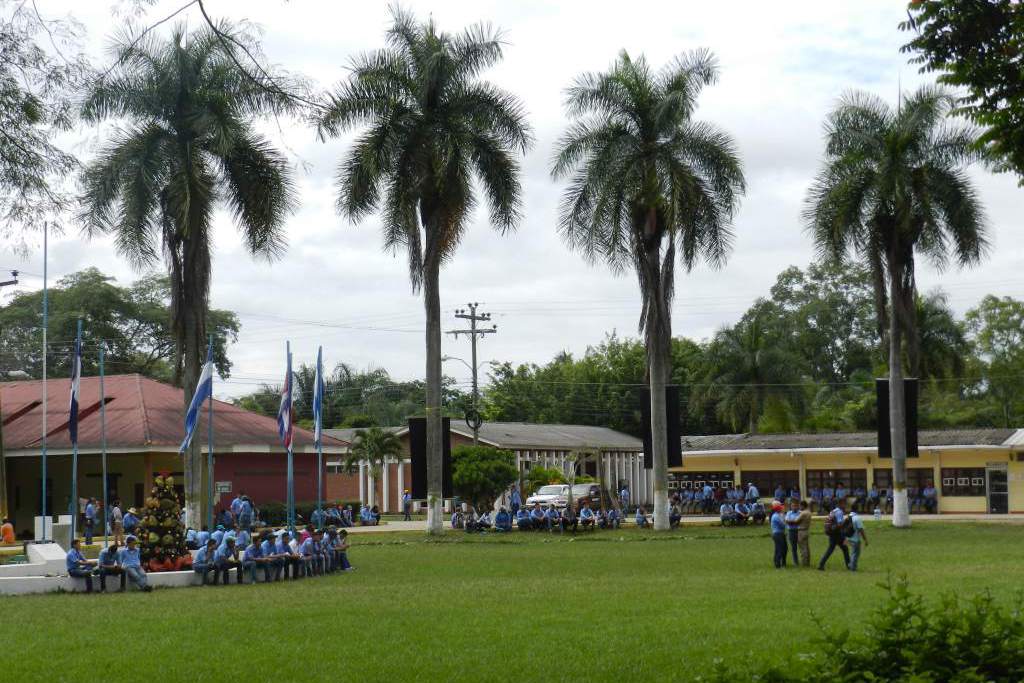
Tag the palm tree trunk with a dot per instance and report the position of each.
(897, 408)
(432, 304)
(194, 457)
(659, 339)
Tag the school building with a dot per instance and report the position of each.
(534, 445)
(974, 470)
(144, 428)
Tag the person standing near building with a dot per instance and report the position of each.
(624, 498)
(90, 520)
(753, 495)
(117, 522)
(407, 505)
(78, 566)
(793, 530)
(778, 527)
(803, 534)
(834, 531)
(855, 536)
(132, 564)
(515, 500)
(245, 513)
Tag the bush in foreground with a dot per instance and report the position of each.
(908, 639)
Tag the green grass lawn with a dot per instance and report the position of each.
(615, 606)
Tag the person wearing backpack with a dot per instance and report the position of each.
(853, 529)
(834, 533)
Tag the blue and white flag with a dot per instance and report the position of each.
(204, 390)
(284, 412)
(318, 396)
(76, 379)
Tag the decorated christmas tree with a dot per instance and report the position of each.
(161, 533)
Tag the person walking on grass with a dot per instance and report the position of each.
(778, 527)
(856, 537)
(793, 529)
(834, 532)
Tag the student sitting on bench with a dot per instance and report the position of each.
(641, 517)
(523, 519)
(503, 521)
(78, 566)
(741, 512)
(587, 516)
(203, 564)
(224, 560)
(727, 513)
(109, 565)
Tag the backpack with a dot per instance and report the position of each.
(830, 525)
(848, 529)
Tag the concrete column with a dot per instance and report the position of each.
(362, 484)
(937, 478)
(804, 494)
(401, 480)
(386, 507)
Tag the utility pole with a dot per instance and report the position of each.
(3, 464)
(473, 421)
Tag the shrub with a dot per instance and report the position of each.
(275, 513)
(967, 640)
(480, 474)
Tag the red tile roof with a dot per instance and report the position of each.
(141, 412)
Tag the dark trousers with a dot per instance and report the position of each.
(793, 541)
(114, 571)
(89, 525)
(405, 509)
(780, 550)
(343, 560)
(251, 567)
(293, 563)
(224, 569)
(83, 574)
(204, 571)
(835, 541)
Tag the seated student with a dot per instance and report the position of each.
(675, 515)
(130, 521)
(225, 518)
(375, 515)
(641, 517)
(203, 563)
(289, 558)
(252, 559)
(873, 499)
(202, 536)
(225, 558)
(601, 518)
(727, 513)
(842, 493)
(78, 566)
(552, 518)
(130, 560)
(469, 521)
(326, 551)
(268, 551)
(523, 519)
(758, 513)
(483, 522)
(503, 521)
(614, 518)
(538, 520)
(310, 553)
(190, 539)
(348, 517)
(930, 498)
(218, 535)
(242, 539)
(108, 565)
(341, 548)
(858, 498)
(567, 519)
(741, 512)
(458, 520)
(587, 517)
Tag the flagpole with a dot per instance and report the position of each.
(318, 430)
(291, 467)
(103, 455)
(209, 449)
(76, 367)
(46, 319)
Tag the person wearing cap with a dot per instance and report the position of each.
(131, 520)
(117, 522)
(131, 562)
(218, 534)
(224, 560)
(407, 505)
(78, 566)
(203, 564)
(778, 527)
(108, 565)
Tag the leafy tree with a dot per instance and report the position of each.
(133, 323)
(977, 46)
(893, 186)
(375, 447)
(942, 351)
(41, 71)
(646, 180)
(997, 328)
(433, 128)
(189, 143)
(480, 474)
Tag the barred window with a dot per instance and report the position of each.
(917, 478)
(767, 480)
(697, 480)
(850, 479)
(963, 481)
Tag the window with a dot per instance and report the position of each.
(850, 479)
(963, 481)
(767, 481)
(696, 480)
(917, 478)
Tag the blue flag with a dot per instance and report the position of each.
(284, 412)
(318, 396)
(204, 390)
(76, 379)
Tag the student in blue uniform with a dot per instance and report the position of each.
(252, 559)
(289, 558)
(587, 518)
(727, 513)
(834, 531)
(131, 562)
(190, 539)
(515, 500)
(310, 552)
(268, 551)
(407, 505)
(108, 565)
(342, 549)
(552, 518)
(245, 513)
(224, 560)
(857, 540)
(90, 520)
(218, 534)
(523, 519)
(538, 520)
(503, 521)
(78, 566)
(778, 526)
(793, 529)
(641, 517)
(203, 563)
(131, 520)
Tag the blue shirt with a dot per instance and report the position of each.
(858, 528)
(282, 548)
(218, 536)
(202, 557)
(503, 519)
(245, 509)
(522, 515)
(252, 553)
(792, 518)
(537, 514)
(753, 493)
(243, 539)
(74, 558)
(516, 498)
(223, 553)
(236, 506)
(130, 521)
(90, 512)
(267, 548)
(202, 537)
(129, 557)
(308, 547)
(586, 513)
(108, 556)
(190, 536)
(778, 523)
(552, 513)
(837, 516)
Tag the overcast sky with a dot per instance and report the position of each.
(783, 65)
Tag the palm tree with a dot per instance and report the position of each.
(648, 181)
(187, 144)
(375, 447)
(433, 127)
(894, 186)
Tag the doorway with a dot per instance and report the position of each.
(997, 490)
